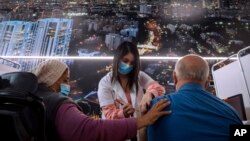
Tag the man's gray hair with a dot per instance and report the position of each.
(197, 70)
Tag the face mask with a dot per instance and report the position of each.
(64, 89)
(124, 68)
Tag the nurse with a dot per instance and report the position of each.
(121, 91)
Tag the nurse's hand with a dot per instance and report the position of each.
(145, 102)
(128, 110)
(153, 114)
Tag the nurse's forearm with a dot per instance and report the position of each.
(111, 112)
(156, 89)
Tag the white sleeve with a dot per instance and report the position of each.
(144, 79)
(105, 92)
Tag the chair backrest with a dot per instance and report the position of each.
(22, 114)
(24, 81)
(237, 103)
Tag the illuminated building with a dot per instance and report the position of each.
(145, 9)
(52, 37)
(46, 37)
(211, 4)
(113, 40)
(131, 32)
(16, 38)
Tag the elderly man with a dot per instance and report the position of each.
(196, 114)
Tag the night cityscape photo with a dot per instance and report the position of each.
(92, 28)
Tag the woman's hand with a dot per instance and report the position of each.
(153, 114)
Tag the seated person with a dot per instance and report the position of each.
(66, 122)
(196, 114)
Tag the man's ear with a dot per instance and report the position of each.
(174, 77)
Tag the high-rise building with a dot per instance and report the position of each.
(145, 8)
(46, 37)
(211, 4)
(16, 38)
(129, 32)
(52, 37)
(113, 40)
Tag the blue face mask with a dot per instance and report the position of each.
(64, 89)
(124, 68)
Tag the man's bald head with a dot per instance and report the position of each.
(192, 67)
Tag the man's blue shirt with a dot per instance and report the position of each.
(196, 116)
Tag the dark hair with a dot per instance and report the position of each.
(121, 51)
